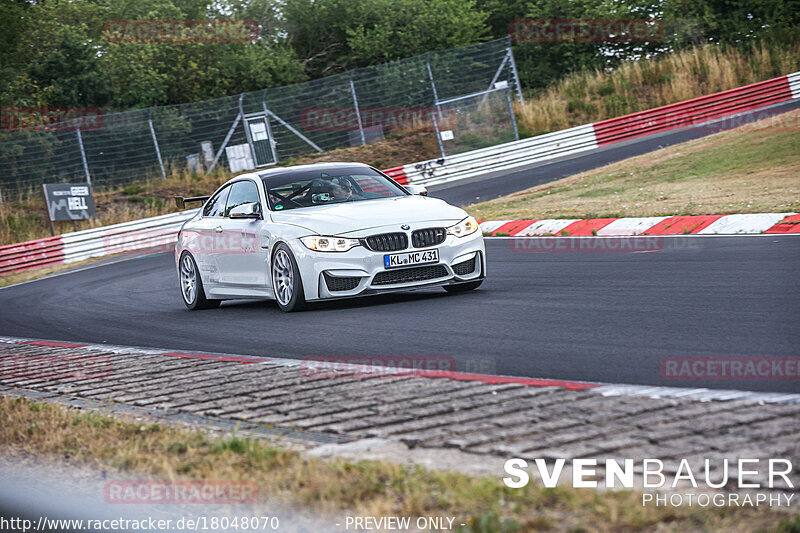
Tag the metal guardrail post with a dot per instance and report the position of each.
(155, 143)
(516, 74)
(511, 114)
(83, 156)
(358, 112)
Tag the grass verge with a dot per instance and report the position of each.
(752, 169)
(359, 487)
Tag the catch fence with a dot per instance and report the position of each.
(461, 95)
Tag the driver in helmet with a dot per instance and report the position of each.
(342, 190)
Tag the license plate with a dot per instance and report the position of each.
(410, 258)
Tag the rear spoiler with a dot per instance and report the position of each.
(180, 201)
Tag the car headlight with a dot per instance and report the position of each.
(322, 243)
(468, 226)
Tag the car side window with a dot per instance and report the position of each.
(215, 207)
(242, 192)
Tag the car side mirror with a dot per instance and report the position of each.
(417, 189)
(252, 210)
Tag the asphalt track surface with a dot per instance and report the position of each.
(486, 188)
(605, 316)
(601, 316)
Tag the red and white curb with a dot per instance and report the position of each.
(605, 389)
(746, 224)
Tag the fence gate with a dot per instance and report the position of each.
(259, 137)
(475, 121)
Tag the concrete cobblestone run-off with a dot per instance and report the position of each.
(505, 419)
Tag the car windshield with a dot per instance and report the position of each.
(309, 188)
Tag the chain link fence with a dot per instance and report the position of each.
(466, 91)
(476, 121)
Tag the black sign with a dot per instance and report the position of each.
(69, 201)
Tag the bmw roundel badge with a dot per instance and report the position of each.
(405, 226)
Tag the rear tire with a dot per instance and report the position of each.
(287, 286)
(192, 292)
(462, 287)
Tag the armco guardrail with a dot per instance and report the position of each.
(502, 157)
(162, 231)
(694, 111)
(157, 232)
(31, 254)
(582, 138)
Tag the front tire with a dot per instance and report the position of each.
(462, 287)
(286, 282)
(194, 296)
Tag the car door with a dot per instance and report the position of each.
(242, 261)
(204, 236)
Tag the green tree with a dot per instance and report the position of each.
(541, 63)
(338, 35)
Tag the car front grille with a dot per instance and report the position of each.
(341, 283)
(409, 275)
(387, 242)
(465, 267)
(428, 237)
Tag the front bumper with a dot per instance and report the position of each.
(359, 271)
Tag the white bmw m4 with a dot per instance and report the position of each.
(323, 231)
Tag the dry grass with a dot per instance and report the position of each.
(362, 488)
(634, 86)
(25, 219)
(752, 169)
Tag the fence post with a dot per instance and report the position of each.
(247, 136)
(358, 112)
(83, 156)
(273, 144)
(155, 142)
(433, 85)
(438, 137)
(516, 74)
(511, 114)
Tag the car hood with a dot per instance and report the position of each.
(354, 218)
